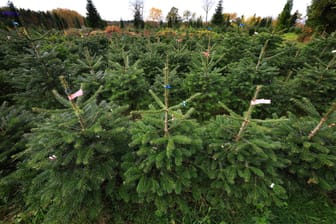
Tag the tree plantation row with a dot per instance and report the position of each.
(167, 127)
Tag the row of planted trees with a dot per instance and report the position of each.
(167, 129)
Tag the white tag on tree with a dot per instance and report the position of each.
(260, 101)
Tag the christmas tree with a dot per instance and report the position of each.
(76, 172)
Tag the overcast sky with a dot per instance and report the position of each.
(120, 9)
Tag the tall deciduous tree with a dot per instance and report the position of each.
(138, 6)
(207, 5)
(93, 18)
(217, 18)
(322, 15)
(155, 14)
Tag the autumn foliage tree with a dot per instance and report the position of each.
(71, 17)
(155, 14)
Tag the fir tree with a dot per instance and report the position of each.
(88, 69)
(244, 162)
(93, 18)
(76, 171)
(165, 143)
(15, 122)
(36, 72)
(218, 18)
(126, 84)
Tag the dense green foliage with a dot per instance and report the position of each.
(286, 20)
(166, 128)
(322, 15)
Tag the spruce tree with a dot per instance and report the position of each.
(93, 18)
(218, 18)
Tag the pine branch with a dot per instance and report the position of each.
(166, 106)
(231, 112)
(322, 121)
(248, 115)
(291, 71)
(331, 63)
(185, 102)
(261, 55)
(60, 98)
(35, 48)
(157, 99)
(73, 104)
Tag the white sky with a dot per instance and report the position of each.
(120, 9)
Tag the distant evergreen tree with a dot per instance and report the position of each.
(173, 18)
(266, 22)
(14, 13)
(285, 19)
(138, 21)
(322, 15)
(217, 18)
(93, 18)
(122, 24)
